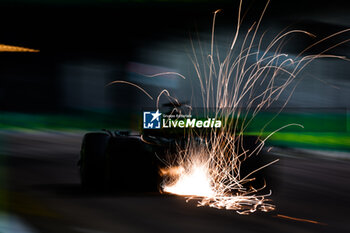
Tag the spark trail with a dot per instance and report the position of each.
(210, 171)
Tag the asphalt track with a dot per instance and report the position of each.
(40, 185)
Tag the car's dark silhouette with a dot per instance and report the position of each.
(122, 161)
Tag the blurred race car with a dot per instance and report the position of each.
(123, 161)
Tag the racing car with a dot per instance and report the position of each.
(126, 161)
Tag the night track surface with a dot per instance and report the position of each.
(41, 187)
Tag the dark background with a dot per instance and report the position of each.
(113, 33)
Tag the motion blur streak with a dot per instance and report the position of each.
(10, 48)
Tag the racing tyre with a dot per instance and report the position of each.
(93, 159)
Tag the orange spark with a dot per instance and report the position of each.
(299, 219)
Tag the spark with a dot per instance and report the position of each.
(163, 74)
(299, 219)
(208, 167)
(131, 84)
(194, 182)
(210, 171)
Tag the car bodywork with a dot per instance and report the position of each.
(123, 161)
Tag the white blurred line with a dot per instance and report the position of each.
(86, 230)
(302, 152)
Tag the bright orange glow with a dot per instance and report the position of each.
(194, 182)
(10, 48)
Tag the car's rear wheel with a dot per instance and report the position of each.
(93, 159)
